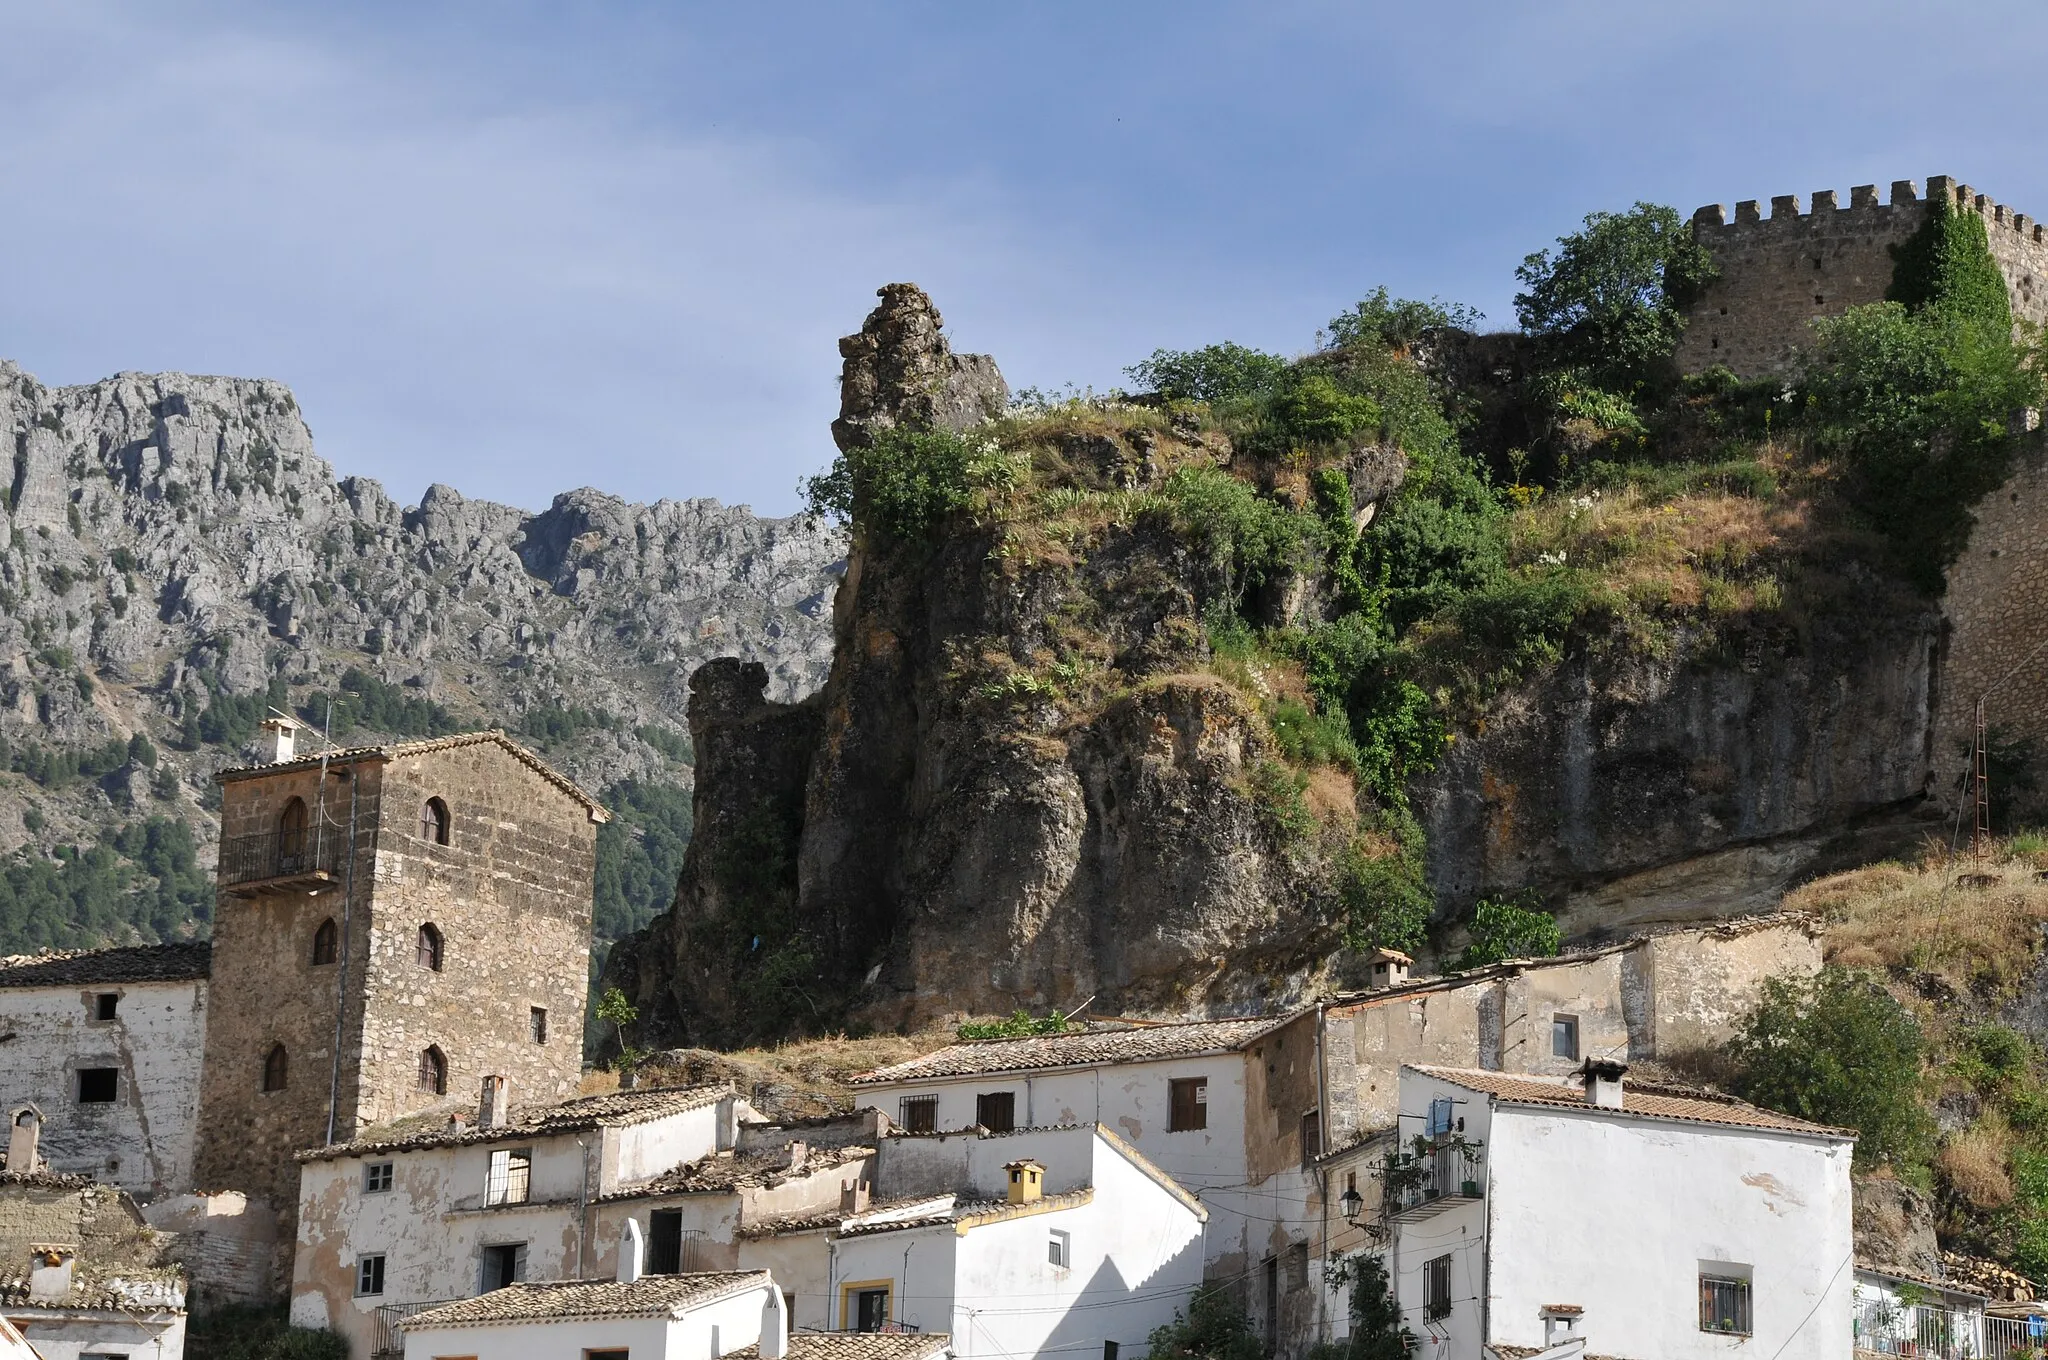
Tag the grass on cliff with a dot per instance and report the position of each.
(795, 1080)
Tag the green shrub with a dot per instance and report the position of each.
(1213, 1327)
(1397, 322)
(1837, 1048)
(905, 482)
(1276, 791)
(1213, 373)
(1247, 537)
(258, 1332)
(1377, 1332)
(1384, 901)
(1505, 929)
(1313, 409)
(1947, 263)
(1307, 737)
(1022, 1024)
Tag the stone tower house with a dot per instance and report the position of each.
(392, 925)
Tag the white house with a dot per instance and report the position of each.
(1630, 1219)
(104, 1045)
(1912, 1315)
(393, 1222)
(658, 1317)
(1031, 1242)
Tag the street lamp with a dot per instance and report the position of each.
(1354, 1205)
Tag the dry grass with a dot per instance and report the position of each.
(1975, 1162)
(1976, 927)
(799, 1079)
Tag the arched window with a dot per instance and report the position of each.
(291, 836)
(434, 821)
(277, 1068)
(325, 941)
(429, 949)
(433, 1072)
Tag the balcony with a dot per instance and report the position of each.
(1423, 1184)
(388, 1343)
(251, 866)
(1927, 1332)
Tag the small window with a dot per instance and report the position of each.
(511, 1176)
(291, 837)
(1437, 1279)
(326, 942)
(1564, 1036)
(537, 1023)
(920, 1113)
(433, 1073)
(1311, 1137)
(1059, 1249)
(369, 1275)
(434, 821)
(1724, 1304)
(1187, 1102)
(277, 1068)
(607, 1355)
(99, 1085)
(996, 1111)
(105, 1005)
(504, 1263)
(427, 953)
(376, 1178)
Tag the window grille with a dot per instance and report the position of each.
(1187, 1104)
(277, 1068)
(511, 1176)
(920, 1113)
(1724, 1305)
(996, 1111)
(1437, 1277)
(433, 1073)
(1059, 1249)
(1564, 1036)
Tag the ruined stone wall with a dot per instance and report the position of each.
(142, 1141)
(267, 990)
(510, 895)
(1996, 609)
(1780, 273)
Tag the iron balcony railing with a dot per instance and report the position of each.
(2015, 1338)
(1922, 1331)
(1421, 1183)
(389, 1341)
(254, 859)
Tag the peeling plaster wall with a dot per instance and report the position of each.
(143, 1141)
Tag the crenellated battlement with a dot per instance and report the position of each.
(1905, 194)
(1782, 271)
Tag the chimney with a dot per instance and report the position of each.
(25, 1131)
(774, 1325)
(276, 740)
(1603, 1083)
(1027, 1181)
(629, 1252)
(1389, 968)
(493, 1109)
(853, 1197)
(799, 1153)
(1560, 1323)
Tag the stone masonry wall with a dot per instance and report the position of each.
(1780, 273)
(510, 894)
(266, 990)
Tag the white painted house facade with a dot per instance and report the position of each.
(663, 1317)
(1657, 1222)
(105, 1046)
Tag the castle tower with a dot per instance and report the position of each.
(392, 925)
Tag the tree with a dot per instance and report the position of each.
(1508, 930)
(1612, 299)
(614, 1010)
(1214, 1327)
(1397, 323)
(1837, 1048)
(1212, 373)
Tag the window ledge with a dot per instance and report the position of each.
(485, 1210)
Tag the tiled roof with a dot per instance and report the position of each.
(967, 1213)
(179, 962)
(1696, 1107)
(148, 1294)
(1148, 1043)
(812, 1220)
(659, 1296)
(855, 1346)
(711, 1174)
(1914, 1277)
(395, 750)
(613, 1110)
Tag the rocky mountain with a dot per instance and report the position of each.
(176, 558)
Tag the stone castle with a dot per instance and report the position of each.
(1779, 274)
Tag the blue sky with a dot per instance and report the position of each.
(522, 247)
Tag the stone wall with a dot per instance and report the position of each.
(1780, 273)
(142, 1141)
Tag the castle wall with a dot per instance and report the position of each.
(1782, 272)
(511, 896)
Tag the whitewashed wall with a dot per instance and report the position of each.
(143, 1141)
(712, 1330)
(57, 1334)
